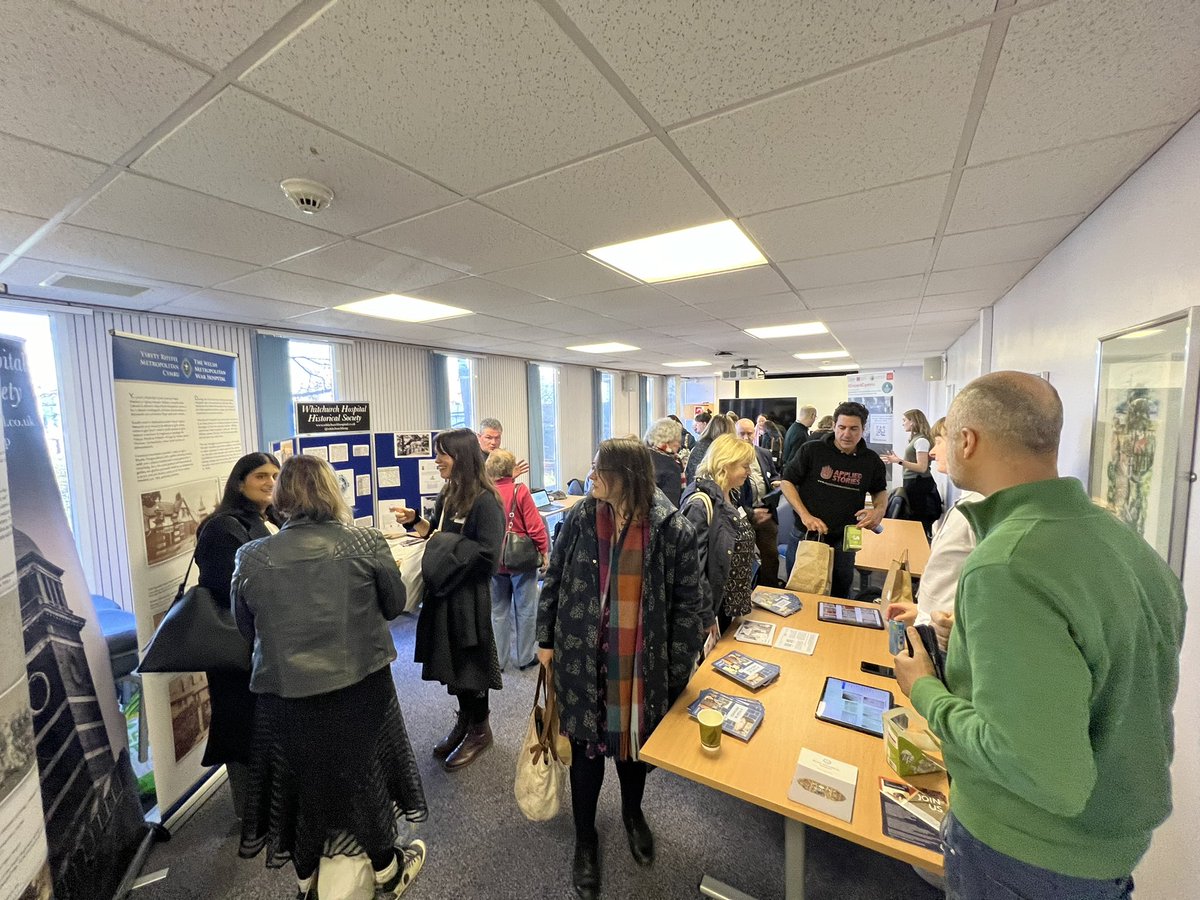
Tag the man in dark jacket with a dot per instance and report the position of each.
(797, 434)
(764, 478)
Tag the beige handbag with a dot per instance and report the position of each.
(897, 587)
(812, 573)
(541, 766)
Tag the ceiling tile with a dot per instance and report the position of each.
(1082, 69)
(210, 31)
(83, 86)
(1055, 183)
(683, 58)
(554, 316)
(566, 276)
(15, 228)
(867, 314)
(39, 181)
(294, 288)
(894, 260)
(366, 266)
(610, 302)
(727, 286)
(475, 294)
(468, 237)
(864, 292)
(69, 243)
(996, 277)
(975, 300)
(153, 211)
(26, 274)
(908, 113)
(784, 302)
(503, 329)
(1010, 242)
(234, 307)
(240, 147)
(422, 81)
(889, 215)
(630, 193)
(947, 316)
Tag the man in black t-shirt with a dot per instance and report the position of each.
(827, 483)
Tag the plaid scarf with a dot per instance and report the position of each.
(624, 689)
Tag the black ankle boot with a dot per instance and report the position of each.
(641, 838)
(443, 747)
(585, 871)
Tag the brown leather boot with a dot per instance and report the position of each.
(443, 748)
(478, 739)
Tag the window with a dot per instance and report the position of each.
(697, 392)
(310, 369)
(647, 398)
(672, 395)
(545, 430)
(460, 383)
(37, 331)
(607, 389)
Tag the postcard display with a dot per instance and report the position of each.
(349, 454)
(405, 471)
(65, 760)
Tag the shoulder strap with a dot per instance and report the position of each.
(706, 501)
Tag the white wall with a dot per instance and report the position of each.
(824, 392)
(1135, 258)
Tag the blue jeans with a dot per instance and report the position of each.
(974, 871)
(515, 598)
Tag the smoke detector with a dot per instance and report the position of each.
(308, 196)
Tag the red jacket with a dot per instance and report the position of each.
(526, 518)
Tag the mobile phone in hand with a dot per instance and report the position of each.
(875, 669)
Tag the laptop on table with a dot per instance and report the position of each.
(544, 503)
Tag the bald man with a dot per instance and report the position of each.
(1061, 670)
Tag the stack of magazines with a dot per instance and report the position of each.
(747, 671)
(742, 715)
(773, 601)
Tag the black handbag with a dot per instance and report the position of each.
(518, 553)
(196, 635)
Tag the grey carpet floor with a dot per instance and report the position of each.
(480, 846)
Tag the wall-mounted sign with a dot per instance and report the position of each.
(323, 418)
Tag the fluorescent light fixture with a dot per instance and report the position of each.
(1144, 333)
(688, 364)
(798, 329)
(403, 309)
(610, 347)
(703, 250)
(844, 367)
(832, 354)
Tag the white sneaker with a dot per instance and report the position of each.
(411, 859)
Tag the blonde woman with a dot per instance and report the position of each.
(920, 490)
(724, 530)
(330, 753)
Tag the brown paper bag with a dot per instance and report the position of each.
(897, 587)
(812, 573)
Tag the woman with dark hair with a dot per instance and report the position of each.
(719, 425)
(454, 643)
(920, 490)
(330, 759)
(621, 616)
(244, 514)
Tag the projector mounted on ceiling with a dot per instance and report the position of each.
(743, 372)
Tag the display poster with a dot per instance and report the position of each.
(405, 473)
(179, 436)
(85, 794)
(332, 418)
(349, 455)
(875, 391)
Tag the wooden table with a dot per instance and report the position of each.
(878, 550)
(761, 771)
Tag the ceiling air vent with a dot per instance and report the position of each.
(94, 285)
(310, 197)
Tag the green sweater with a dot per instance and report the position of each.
(1063, 666)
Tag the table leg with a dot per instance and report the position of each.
(718, 890)
(793, 859)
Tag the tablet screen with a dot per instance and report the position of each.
(845, 614)
(854, 705)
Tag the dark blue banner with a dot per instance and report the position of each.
(138, 360)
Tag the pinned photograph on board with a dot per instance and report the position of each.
(413, 443)
(345, 480)
(171, 516)
(16, 738)
(191, 712)
(427, 505)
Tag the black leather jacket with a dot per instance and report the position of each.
(316, 599)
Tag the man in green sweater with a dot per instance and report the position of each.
(1061, 670)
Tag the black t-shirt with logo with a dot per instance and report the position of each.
(834, 485)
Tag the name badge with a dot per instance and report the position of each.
(459, 520)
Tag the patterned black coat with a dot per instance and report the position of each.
(672, 609)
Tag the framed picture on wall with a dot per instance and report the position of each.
(1144, 427)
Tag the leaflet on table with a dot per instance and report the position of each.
(780, 604)
(742, 715)
(825, 784)
(797, 641)
(928, 806)
(747, 671)
(752, 632)
(900, 821)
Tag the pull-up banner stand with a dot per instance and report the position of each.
(89, 798)
(178, 435)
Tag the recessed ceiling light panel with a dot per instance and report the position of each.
(831, 354)
(687, 364)
(403, 309)
(688, 253)
(610, 347)
(797, 329)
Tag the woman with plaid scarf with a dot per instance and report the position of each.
(621, 617)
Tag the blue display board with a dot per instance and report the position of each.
(349, 454)
(405, 471)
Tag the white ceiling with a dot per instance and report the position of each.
(901, 165)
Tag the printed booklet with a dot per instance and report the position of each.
(747, 671)
(752, 632)
(742, 715)
(780, 604)
(900, 820)
(928, 806)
